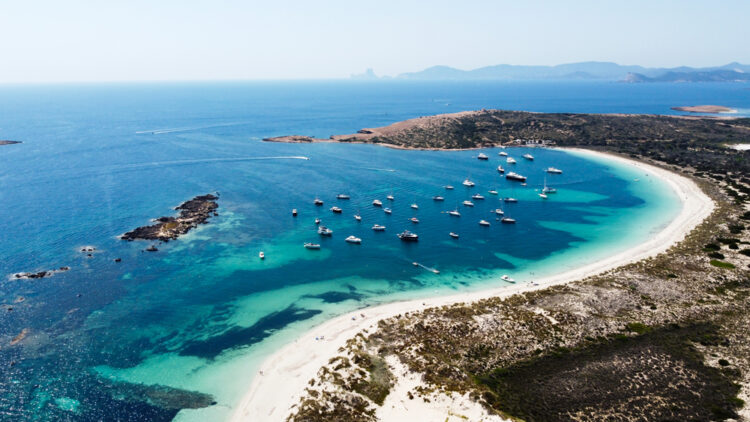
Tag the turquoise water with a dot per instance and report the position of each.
(131, 340)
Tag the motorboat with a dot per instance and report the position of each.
(336, 210)
(294, 212)
(477, 196)
(377, 203)
(438, 198)
(312, 246)
(492, 192)
(507, 220)
(510, 160)
(453, 235)
(378, 228)
(414, 206)
(482, 156)
(408, 236)
(448, 187)
(318, 202)
(502, 154)
(553, 170)
(390, 197)
(387, 210)
(500, 169)
(353, 239)
(357, 217)
(507, 278)
(414, 220)
(509, 199)
(484, 223)
(498, 211)
(543, 195)
(515, 176)
(317, 221)
(261, 255)
(342, 196)
(324, 231)
(528, 157)
(468, 183)
(468, 204)
(454, 213)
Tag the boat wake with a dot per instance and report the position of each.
(210, 160)
(377, 169)
(185, 129)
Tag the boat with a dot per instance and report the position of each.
(342, 196)
(357, 217)
(408, 236)
(543, 195)
(548, 189)
(448, 187)
(261, 255)
(336, 210)
(438, 198)
(498, 211)
(414, 206)
(453, 235)
(508, 220)
(294, 212)
(390, 197)
(324, 231)
(454, 213)
(378, 228)
(318, 202)
(515, 176)
(500, 169)
(510, 160)
(484, 223)
(387, 210)
(553, 170)
(477, 197)
(502, 154)
(482, 156)
(414, 220)
(507, 278)
(468, 183)
(377, 203)
(317, 221)
(312, 245)
(353, 239)
(528, 157)
(468, 204)
(509, 199)
(492, 192)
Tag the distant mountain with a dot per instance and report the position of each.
(585, 70)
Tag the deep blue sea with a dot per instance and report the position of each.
(153, 336)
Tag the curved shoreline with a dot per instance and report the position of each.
(286, 372)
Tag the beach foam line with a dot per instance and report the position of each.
(284, 375)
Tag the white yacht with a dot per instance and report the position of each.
(482, 156)
(477, 197)
(528, 157)
(453, 235)
(318, 202)
(414, 220)
(387, 210)
(510, 160)
(261, 255)
(468, 183)
(408, 236)
(357, 217)
(414, 206)
(553, 170)
(508, 220)
(454, 213)
(484, 223)
(377, 203)
(448, 187)
(498, 211)
(312, 246)
(378, 228)
(500, 169)
(509, 199)
(502, 154)
(468, 204)
(324, 231)
(507, 278)
(438, 198)
(353, 239)
(336, 210)
(390, 197)
(342, 196)
(515, 176)
(492, 192)
(543, 195)
(317, 221)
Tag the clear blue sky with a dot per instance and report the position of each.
(81, 40)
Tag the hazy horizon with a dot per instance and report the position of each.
(85, 41)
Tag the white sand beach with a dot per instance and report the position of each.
(285, 374)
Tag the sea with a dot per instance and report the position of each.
(179, 334)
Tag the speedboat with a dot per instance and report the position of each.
(453, 235)
(507, 278)
(507, 220)
(492, 192)
(438, 198)
(498, 211)
(336, 210)
(390, 197)
(377, 203)
(502, 154)
(357, 217)
(294, 212)
(500, 169)
(515, 176)
(378, 228)
(509, 199)
(449, 187)
(342, 196)
(553, 170)
(312, 245)
(484, 223)
(468, 204)
(414, 220)
(454, 213)
(482, 156)
(353, 239)
(387, 210)
(318, 202)
(317, 221)
(477, 197)
(414, 206)
(324, 231)
(543, 196)
(528, 157)
(468, 183)
(408, 236)
(261, 255)
(510, 160)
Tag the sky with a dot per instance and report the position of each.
(150, 40)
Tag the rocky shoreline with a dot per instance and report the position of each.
(192, 213)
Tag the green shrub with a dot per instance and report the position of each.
(721, 264)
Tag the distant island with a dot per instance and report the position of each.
(9, 142)
(605, 71)
(712, 109)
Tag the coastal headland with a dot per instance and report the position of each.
(676, 300)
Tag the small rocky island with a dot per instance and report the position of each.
(192, 213)
(6, 142)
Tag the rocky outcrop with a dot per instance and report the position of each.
(40, 274)
(192, 213)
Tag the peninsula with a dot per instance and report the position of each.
(192, 213)
(712, 109)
